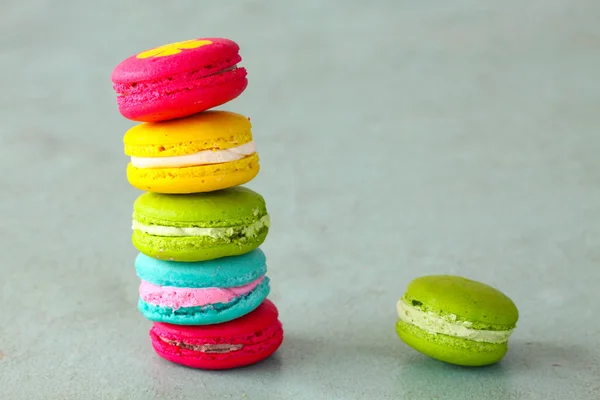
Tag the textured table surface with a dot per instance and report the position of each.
(397, 139)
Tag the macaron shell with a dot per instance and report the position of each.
(207, 315)
(224, 272)
(449, 349)
(467, 299)
(193, 248)
(162, 103)
(225, 208)
(210, 130)
(198, 179)
(160, 62)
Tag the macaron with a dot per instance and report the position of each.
(209, 151)
(179, 79)
(456, 320)
(199, 226)
(241, 342)
(201, 293)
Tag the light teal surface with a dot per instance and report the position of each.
(397, 139)
(207, 315)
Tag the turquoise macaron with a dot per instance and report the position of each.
(199, 226)
(201, 293)
(456, 320)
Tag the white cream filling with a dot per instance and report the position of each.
(434, 324)
(159, 230)
(203, 157)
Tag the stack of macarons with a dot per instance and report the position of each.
(203, 275)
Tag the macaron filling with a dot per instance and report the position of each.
(219, 348)
(204, 157)
(179, 297)
(244, 231)
(208, 314)
(447, 324)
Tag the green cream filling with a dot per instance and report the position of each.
(250, 230)
(448, 325)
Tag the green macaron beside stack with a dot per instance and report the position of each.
(456, 320)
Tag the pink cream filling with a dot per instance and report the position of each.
(176, 297)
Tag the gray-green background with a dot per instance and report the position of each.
(397, 138)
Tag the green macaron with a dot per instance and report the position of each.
(456, 320)
(200, 226)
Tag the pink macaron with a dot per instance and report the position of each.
(179, 79)
(241, 342)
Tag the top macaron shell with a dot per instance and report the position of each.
(224, 272)
(224, 208)
(468, 300)
(210, 130)
(168, 60)
(179, 79)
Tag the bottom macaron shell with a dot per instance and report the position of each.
(210, 314)
(250, 354)
(206, 93)
(197, 179)
(193, 248)
(450, 349)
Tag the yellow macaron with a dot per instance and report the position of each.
(209, 151)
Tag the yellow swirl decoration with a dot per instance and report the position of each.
(173, 48)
